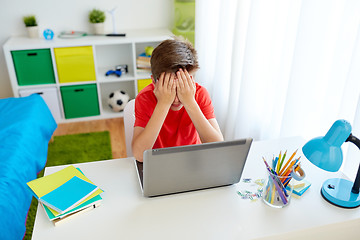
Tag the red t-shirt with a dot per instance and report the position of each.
(178, 129)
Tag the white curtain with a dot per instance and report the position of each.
(279, 68)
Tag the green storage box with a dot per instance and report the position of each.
(80, 100)
(33, 66)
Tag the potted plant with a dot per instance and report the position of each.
(31, 26)
(97, 19)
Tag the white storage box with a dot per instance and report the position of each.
(49, 95)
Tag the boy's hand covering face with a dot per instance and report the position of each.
(185, 87)
(165, 88)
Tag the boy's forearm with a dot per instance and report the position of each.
(146, 139)
(207, 132)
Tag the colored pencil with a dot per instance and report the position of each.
(278, 163)
(280, 189)
(280, 175)
(288, 161)
(282, 161)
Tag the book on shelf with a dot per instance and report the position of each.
(143, 67)
(143, 61)
(144, 56)
(65, 192)
(140, 64)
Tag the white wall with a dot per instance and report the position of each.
(67, 15)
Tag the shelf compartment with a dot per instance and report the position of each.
(80, 100)
(50, 97)
(33, 67)
(140, 46)
(142, 83)
(107, 88)
(109, 56)
(113, 78)
(75, 64)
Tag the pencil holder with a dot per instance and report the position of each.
(277, 191)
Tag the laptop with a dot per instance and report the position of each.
(192, 167)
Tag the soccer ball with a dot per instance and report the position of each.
(117, 100)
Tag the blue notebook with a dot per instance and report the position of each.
(68, 195)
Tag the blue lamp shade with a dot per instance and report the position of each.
(325, 152)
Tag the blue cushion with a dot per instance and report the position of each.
(26, 126)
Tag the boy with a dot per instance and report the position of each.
(173, 110)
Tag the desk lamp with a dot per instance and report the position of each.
(325, 152)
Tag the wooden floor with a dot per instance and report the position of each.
(114, 125)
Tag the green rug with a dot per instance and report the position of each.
(68, 149)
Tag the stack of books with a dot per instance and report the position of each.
(143, 62)
(65, 193)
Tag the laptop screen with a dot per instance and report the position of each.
(192, 167)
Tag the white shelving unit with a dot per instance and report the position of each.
(107, 53)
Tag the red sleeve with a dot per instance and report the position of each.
(204, 101)
(145, 103)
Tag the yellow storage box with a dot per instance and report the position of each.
(75, 64)
(141, 83)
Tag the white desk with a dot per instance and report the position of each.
(208, 214)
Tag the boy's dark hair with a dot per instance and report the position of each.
(172, 54)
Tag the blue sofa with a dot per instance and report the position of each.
(26, 126)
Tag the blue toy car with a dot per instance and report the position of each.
(115, 72)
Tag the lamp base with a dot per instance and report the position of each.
(338, 192)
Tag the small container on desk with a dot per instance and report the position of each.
(278, 190)
(275, 194)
